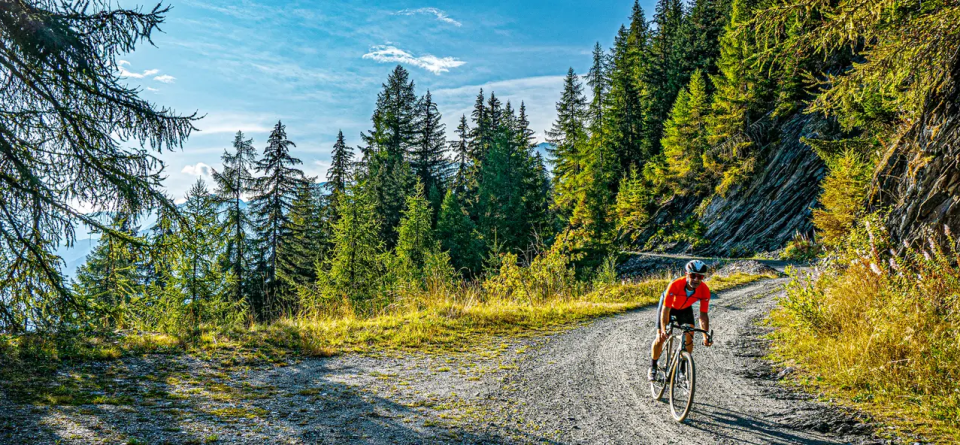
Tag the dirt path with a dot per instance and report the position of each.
(588, 385)
(581, 386)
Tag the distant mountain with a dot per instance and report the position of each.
(542, 149)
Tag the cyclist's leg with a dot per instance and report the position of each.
(657, 348)
(686, 317)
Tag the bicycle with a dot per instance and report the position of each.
(682, 383)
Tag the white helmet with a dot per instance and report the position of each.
(696, 266)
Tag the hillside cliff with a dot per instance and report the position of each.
(919, 180)
(765, 212)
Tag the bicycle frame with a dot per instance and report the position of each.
(679, 354)
(681, 341)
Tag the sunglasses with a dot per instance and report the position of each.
(696, 275)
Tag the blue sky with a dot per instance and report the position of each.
(318, 65)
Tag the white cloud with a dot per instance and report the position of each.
(125, 73)
(200, 169)
(153, 90)
(442, 16)
(436, 65)
(166, 78)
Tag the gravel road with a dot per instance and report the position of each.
(584, 385)
(588, 385)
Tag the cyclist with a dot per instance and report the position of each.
(678, 301)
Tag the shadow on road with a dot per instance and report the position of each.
(303, 403)
(723, 423)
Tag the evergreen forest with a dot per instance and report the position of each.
(420, 221)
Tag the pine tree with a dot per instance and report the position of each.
(495, 114)
(308, 237)
(524, 132)
(68, 116)
(591, 220)
(500, 194)
(458, 236)
(631, 208)
(599, 83)
(427, 157)
(700, 35)
(568, 136)
(202, 245)
(271, 204)
(394, 135)
(481, 134)
(461, 152)
(338, 176)
(536, 188)
(233, 183)
(396, 117)
(625, 103)
(664, 78)
(685, 139)
(200, 283)
(740, 89)
(415, 241)
(110, 277)
(356, 263)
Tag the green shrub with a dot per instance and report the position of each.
(801, 248)
(689, 231)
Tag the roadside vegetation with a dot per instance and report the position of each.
(517, 300)
(873, 327)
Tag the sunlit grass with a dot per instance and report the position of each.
(459, 322)
(464, 320)
(880, 335)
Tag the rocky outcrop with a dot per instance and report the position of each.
(919, 180)
(765, 213)
(678, 208)
(749, 267)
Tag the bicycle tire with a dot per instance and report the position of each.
(681, 389)
(657, 387)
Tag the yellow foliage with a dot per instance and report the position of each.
(844, 190)
(878, 331)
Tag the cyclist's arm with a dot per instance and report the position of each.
(705, 318)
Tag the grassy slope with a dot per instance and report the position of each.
(441, 323)
(430, 326)
(876, 343)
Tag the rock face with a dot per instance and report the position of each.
(750, 267)
(765, 213)
(919, 181)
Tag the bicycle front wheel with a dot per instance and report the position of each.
(659, 382)
(682, 385)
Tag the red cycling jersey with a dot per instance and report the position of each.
(677, 295)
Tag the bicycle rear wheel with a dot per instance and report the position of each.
(682, 386)
(659, 383)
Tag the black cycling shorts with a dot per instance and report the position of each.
(684, 316)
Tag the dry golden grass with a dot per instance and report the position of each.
(880, 335)
(458, 321)
(455, 319)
